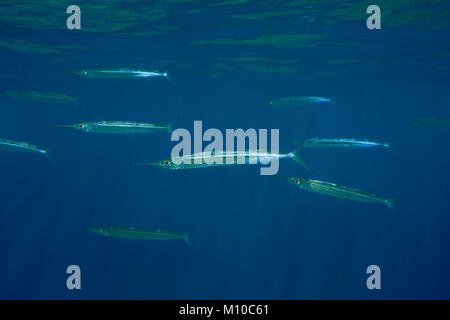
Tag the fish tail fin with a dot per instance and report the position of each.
(390, 203)
(389, 146)
(48, 153)
(296, 156)
(171, 124)
(166, 75)
(333, 99)
(187, 238)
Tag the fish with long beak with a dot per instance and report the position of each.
(143, 234)
(42, 96)
(297, 101)
(334, 190)
(431, 122)
(16, 146)
(120, 73)
(224, 158)
(341, 143)
(119, 127)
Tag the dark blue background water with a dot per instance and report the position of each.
(253, 236)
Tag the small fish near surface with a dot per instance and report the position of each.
(341, 143)
(334, 190)
(224, 158)
(119, 127)
(42, 96)
(120, 73)
(16, 146)
(431, 122)
(297, 101)
(143, 234)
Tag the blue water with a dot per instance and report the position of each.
(253, 236)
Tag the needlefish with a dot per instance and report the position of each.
(143, 234)
(224, 158)
(334, 190)
(119, 127)
(16, 146)
(42, 96)
(297, 101)
(431, 122)
(341, 143)
(120, 73)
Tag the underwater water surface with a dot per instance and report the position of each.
(253, 236)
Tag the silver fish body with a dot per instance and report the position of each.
(143, 234)
(16, 146)
(431, 122)
(120, 127)
(335, 190)
(341, 143)
(42, 96)
(120, 73)
(298, 101)
(225, 158)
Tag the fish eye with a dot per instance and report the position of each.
(166, 163)
(297, 181)
(100, 230)
(81, 126)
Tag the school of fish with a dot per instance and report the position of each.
(205, 159)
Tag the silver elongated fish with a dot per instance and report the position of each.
(120, 73)
(119, 127)
(297, 101)
(144, 234)
(16, 146)
(431, 122)
(224, 158)
(42, 96)
(334, 190)
(341, 143)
